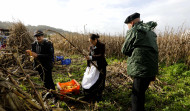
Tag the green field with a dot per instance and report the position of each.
(170, 92)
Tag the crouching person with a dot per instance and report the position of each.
(93, 82)
(142, 64)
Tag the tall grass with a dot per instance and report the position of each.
(173, 46)
(81, 41)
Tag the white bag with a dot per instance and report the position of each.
(90, 77)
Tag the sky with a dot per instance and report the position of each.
(96, 16)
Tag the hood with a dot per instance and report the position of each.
(145, 27)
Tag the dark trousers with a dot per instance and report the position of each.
(46, 76)
(140, 85)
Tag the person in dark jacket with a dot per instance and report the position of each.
(142, 64)
(43, 51)
(97, 55)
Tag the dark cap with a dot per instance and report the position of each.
(38, 33)
(132, 17)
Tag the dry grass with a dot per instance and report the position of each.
(113, 44)
(173, 47)
(20, 37)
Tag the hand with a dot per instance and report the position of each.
(34, 54)
(88, 57)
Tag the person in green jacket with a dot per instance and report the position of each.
(142, 63)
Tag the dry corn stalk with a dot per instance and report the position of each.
(20, 37)
(172, 46)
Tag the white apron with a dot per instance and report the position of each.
(90, 77)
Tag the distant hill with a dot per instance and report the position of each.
(5, 25)
(31, 28)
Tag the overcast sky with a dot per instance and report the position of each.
(101, 16)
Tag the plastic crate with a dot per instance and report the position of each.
(75, 89)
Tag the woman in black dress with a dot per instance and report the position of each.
(97, 55)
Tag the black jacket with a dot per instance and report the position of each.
(45, 54)
(98, 54)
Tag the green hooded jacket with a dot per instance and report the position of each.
(141, 48)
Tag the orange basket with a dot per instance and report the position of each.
(69, 87)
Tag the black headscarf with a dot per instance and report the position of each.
(94, 36)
